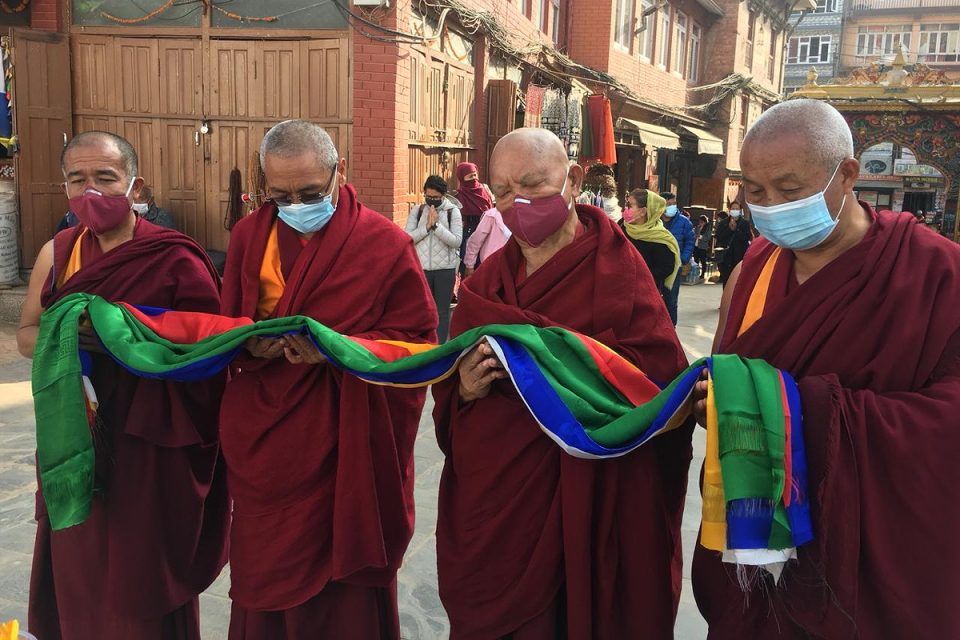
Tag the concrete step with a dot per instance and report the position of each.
(11, 301)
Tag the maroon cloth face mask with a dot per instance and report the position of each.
(533, 220)
(99, 212)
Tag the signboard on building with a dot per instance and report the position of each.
(902, 168)
(877, 161)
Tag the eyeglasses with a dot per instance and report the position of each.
(304, 198)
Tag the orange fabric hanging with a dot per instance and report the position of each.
(601, 126)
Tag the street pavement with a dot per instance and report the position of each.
(421, 613)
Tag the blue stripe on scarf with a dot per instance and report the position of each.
(798, 513)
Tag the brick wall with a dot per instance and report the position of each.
(381, 101)
(45, 15)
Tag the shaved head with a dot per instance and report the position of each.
(530, 162)
(541, 146)
(825, 134)
(115, 144)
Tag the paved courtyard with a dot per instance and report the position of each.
(422, 616)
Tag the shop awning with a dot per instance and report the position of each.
(651, 134)
(707, 143)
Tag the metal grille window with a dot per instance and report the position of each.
(680, 50)
(624, 23)
(826, 6)
(809, 50)
(940, 43)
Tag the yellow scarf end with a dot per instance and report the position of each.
(9, 630)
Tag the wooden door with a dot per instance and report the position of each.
(43, 121)
(501, 112)
(255, 86)
(182, 177)
(157, 92)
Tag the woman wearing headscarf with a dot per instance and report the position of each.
(475, 200)
(643, 226)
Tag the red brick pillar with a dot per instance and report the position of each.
(380, 97)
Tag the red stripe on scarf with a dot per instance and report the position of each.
(187, 327)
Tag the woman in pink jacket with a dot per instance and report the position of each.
(490, 236)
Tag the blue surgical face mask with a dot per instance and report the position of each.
(798, 225)
(671, 211)
(309, 218)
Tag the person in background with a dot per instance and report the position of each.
(921, 217)
(682, 230)
(600, 190)
(68, 221)
(611, 204)
(701, 252)
(146, 207)
(644, 228)
(475, 200)
(437, 228)
(741, 235)
(489, 237)
(722, 235)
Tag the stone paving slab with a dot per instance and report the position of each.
(422, 615)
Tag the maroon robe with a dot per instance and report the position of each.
(874, 341)
(531, 541)
(156, 536)
(320, 463)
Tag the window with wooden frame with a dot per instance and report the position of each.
(555, 21)
(646, 29)
(680, 44)
(623, 24)
(751, 35)
(693, 73)
(772, 57)
(663, 34)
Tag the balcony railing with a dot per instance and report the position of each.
(861, 6)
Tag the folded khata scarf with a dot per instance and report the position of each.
(592, 402)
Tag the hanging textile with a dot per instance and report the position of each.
(534, 98)
(6, 72)
(574, 123)
(586, 144)
(601, 124)
(553, 111)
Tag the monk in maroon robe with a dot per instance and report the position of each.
(156, 536)
(861, 308)
(533, 543)
(320, 464)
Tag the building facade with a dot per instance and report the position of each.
(928, 31)
(406, 89)
(815, 41)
